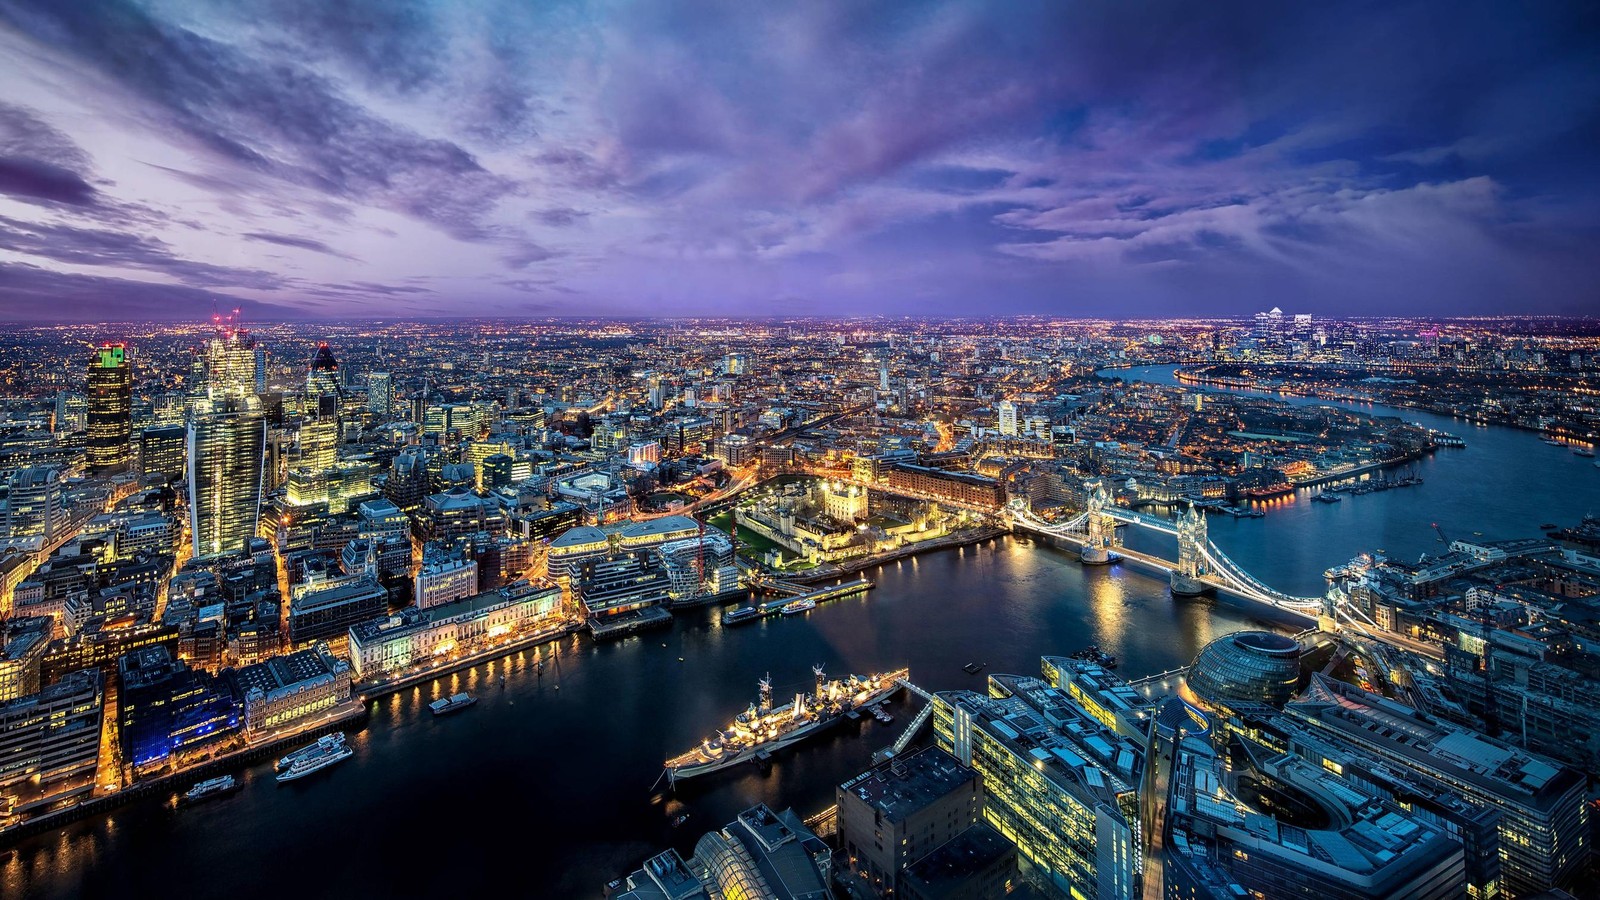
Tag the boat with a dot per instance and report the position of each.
(973, 668)
(804, 604)
(1549, 526)
(764, 728)
(325, 743)
(679, 820)
(320, 757)
(1328, 498)
(211, 787)
(1551, 441)
(1584, 452)
(741, 615)
(452, 703)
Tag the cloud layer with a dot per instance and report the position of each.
(383, 157)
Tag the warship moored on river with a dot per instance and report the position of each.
(763, 728)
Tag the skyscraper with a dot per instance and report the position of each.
(1008, 417)
(322, 384)
(35, 504)
(110, 411)
(72, 412)
(380, 393)
(226, 447)
(161, 451)
(233, 366)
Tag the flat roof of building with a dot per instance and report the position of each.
(906, 784)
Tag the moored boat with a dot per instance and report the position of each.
(452, 703)
(763, 728)
(320, 757)
(325, 743)
(211, 787)
(805, 604)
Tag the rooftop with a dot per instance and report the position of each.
(904, 785)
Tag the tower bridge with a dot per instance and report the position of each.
(1201, 565)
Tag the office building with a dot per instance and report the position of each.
(35, 506)
(386, 645)
(902, 810)
(163, 450)
(322, 384)
(1007, 414)
(1246, 667)
(977, 864)
(72, 413)
(165, 708)
(326, 614)
(23, 641)
(285, 689)
(109, 416)
(227, 446)
(496, 471)
(442, 579)
(380, 393)
(319, 445)
(50, 743)
(1308, 833)
(1544, 823)
(232, 366)
(1057, 783)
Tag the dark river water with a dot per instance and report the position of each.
(546, 784)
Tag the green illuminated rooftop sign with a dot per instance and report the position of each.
(111, 357)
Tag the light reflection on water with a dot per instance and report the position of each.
(573, 750)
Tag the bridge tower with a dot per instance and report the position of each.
(1102, 527)
(1192, 562)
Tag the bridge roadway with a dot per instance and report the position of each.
(1303, 611)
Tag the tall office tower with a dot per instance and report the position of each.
(735, 364)
(161, 451)
(883, 377)
(1008, 417)
(72, 412)
(322, 383)
(1302, 326)
(34, 503)
(234, 366)
(227, 444)
(319, 445)
(380, 393)
(1269, 325)
(110, 412)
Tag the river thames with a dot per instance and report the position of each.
(545, 785)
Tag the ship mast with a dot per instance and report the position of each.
(766, 694)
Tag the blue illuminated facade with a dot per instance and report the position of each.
(165, 707)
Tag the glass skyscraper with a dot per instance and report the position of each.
(226, 447)
(110, 409)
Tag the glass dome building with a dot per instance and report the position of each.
(1246, 667)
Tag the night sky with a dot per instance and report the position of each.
(386, 158)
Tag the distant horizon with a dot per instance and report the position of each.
(1244, 319)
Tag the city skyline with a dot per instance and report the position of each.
(1031, 608)
(384, 161)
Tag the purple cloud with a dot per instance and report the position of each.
(904, 157)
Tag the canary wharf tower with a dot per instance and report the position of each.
(227, 445)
